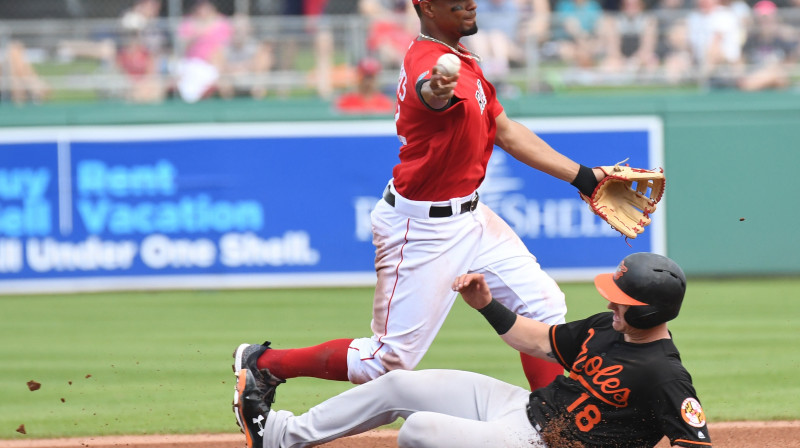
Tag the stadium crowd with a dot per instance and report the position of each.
(148, 51)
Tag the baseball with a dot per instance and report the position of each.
(449, 64)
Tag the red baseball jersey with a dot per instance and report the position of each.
(444, 153)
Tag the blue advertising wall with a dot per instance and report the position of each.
(235, 205)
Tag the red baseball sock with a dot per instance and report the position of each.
(327, 361)
(539, 372)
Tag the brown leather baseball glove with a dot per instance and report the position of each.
(626, 197)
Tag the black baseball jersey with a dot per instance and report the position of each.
(618, 394)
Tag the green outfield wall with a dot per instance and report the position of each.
(731, 160)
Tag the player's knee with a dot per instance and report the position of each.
(370, 362)
(395, 381)
(389, 362)
(398, 383)
(397, 360)
(413, 432)
(369, 373)
(399, 379)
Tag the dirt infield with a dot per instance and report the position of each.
(724, 435)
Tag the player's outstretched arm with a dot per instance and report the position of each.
(439, 90)
(523, 334)
(527, 147)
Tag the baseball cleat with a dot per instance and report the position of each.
(246, 357)
(251, 404)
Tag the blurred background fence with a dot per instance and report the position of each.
(151, 51)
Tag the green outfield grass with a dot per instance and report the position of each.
(159, 362)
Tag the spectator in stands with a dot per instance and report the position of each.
(496, 40)
(290, 36)
(247, 62)
(313, 7)
(580, 20)
(672, 8)
(140, 66)
(741, 10)
(769, 49)
(143, 19)
(673, 47)
(392, 26)
(142, 52)
(367, 98)
(677, 59)
(102, 45)
(102, 49)
(24, 84)
(535, 17)
(715, 37)
(630, 39)
(326, 76)
(203, 35)
(534, 40)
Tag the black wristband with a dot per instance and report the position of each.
(585, 181)
(500, 317)
(450, 102)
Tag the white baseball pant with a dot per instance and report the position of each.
(417, 259)
(442, 408)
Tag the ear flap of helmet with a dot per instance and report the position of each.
(648, 316)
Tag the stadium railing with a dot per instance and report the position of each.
(75, 57)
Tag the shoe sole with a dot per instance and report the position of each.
(241, 382)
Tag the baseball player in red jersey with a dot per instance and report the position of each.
(626, 388)
(430, 225)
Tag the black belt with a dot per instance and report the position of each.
(438, 211)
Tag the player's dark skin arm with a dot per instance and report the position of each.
(515, 138)
(526, 335)
(527, 147)
(437, 91)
